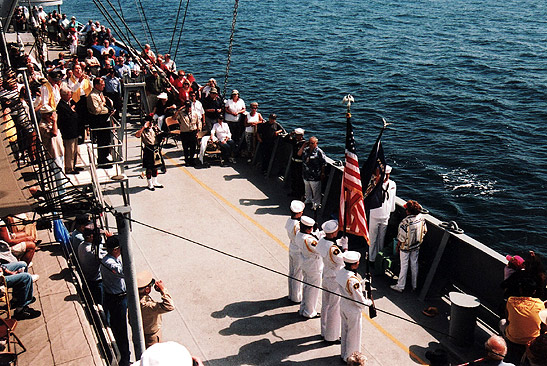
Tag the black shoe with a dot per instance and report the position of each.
(27, 313)
(74, 172)
(79, 169)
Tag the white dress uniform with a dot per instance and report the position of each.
(379, 218)
(312, 266)
(333, 262)
(295, 261)
(350, 286)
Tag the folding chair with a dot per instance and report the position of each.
(173, 128)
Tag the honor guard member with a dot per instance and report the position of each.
(151, 310)
(333, 261)
(351, 286)
(312, 266)
(379, 217)
(295, 257)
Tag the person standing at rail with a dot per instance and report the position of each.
(313, 171)
(379, 217)
(350, 286)
(331, 251)
(411, 235)
(115, 296)
(312, 266)
(295, 257)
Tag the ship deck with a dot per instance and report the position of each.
(229, 312)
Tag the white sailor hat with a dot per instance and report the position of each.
(144, 279)
(235, 91)
(330, 226)
(352, 256)
(46, 109)
(388, 169)
(299, 131)
(308, 221)
(162, 95)
(165, 353)
(297, 206)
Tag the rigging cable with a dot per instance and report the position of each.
(175, 26)
(234, 18)
(276, 272)
(110, 20)
(121, 9)
(148, 27)
(142, 21)
(181, 27)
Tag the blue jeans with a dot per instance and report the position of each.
(20, 283)
(226, 148)
(116, 313)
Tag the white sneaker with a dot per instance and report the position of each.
(35, 277)
(395, 288)
(30, 264)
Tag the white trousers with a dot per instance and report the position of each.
(330, 310)
(376, 233)
(406, 257)
(310, 295)
(351, 329)
(203, 146)
(295, 270)
(313, 192)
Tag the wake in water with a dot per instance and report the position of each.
(464, 183)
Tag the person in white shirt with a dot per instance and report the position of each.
(379, 217)
(333, 261)
(351, 287)
(295, 257)
(312, 266)
(234, 111)
(221, 133)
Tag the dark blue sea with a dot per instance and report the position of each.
(463, 82)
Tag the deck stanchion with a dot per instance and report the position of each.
(133, 303)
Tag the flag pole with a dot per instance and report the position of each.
(348, 99)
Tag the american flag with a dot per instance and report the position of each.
(351, 194)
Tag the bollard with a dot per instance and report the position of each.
(463, 318)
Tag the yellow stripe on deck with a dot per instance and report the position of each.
(274, 238)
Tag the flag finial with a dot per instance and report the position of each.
(348, 99)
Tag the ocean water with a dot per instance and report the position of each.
(463, 82)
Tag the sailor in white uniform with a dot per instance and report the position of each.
(295, 257)
(333, 261)
(351, 286)
(379, 217)
(312, 266)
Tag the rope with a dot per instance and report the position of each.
(182, 26)
(111, 22)
(175, 26)
(230, 48)
(142, 21)
(148, 27)
(121, 9)
(277, 272)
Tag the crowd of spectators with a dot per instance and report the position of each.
(524, 323)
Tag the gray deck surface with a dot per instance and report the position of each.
(230, 312)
